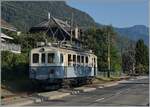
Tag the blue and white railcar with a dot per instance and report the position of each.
(51, 64)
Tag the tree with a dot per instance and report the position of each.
(141, 57)
(128, 59)
(97, 40)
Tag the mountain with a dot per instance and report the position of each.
(25, 14)
(135, 33)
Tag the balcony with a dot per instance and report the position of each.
(10, 47)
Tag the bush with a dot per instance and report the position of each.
(14, 66)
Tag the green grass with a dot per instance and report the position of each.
(100, 79)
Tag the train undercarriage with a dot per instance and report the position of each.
(66, 83)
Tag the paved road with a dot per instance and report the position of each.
(130, 93)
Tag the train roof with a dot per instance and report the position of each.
(64, 48)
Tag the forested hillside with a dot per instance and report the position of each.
(135, 33)
(23, 14)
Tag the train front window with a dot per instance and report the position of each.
(51, 57)
(61, 58)
(36, 58)
(43, 58)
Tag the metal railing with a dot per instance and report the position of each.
(11, 47)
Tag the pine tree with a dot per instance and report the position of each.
(141, 57)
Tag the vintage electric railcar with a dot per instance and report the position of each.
(50, 64)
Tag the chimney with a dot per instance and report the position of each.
(76, 33)
(66, 22)
(49, 15)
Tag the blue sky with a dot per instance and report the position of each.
(119, 13)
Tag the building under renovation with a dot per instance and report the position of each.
(6, 41)
(59, 29)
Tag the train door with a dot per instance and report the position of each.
(94, 63)
(51, 61)
(65, 64)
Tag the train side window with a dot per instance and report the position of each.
(78, 59)
(43, 58)
(86, 59)
(82, 59)
(94, 61)
(50, 57)
(61, 58)
(74, 58)
(35, 58)
(69, 59)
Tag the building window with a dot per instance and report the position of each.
(36, 58)
(50, 58)
(78, 59)
(74, 58)
(61, 58)
(86, 59)
(82, 59)
(43, 58)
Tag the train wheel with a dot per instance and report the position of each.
(66, 84)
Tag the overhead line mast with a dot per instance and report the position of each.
(71, 27)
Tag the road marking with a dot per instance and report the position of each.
(119, 92)
(132, 79)
(100, 99)
(101, 87)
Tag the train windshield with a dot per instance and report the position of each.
(61, 58)
(51, 57)
(35, 58)
(43, 58)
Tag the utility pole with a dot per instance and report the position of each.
(108, 36)
(122, 71)
(71, 26)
